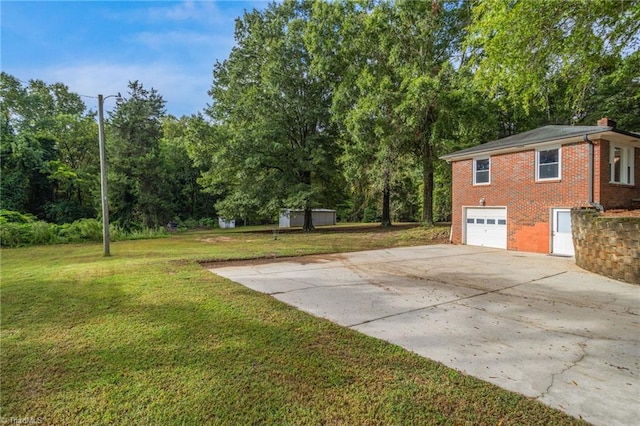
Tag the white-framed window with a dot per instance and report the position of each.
(621, 164)
(548, 163)
(482, 171)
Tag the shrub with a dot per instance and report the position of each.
(117, 233)
(13, 234)
(17, 229)
(42, 233)
(9, 216)
(83, 230)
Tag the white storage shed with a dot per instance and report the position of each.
(226, 223)
(292, 217)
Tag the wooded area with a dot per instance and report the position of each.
(343, 105)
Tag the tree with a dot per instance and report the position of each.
(138, 193)
(275, 145)
(393, 68)
(616, 94)
(549, 56)
(181, 174)
(49, 154)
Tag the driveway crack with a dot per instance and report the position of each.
(448, 302)
(583, 347)
(312, 287)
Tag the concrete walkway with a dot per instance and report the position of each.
(533, 324)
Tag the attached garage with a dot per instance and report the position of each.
(485, 226)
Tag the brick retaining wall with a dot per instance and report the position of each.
(608, 246)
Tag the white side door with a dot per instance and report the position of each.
(561, 239)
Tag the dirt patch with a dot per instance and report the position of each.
(621, 213)
(340, 229)
(224, 240)
(217, 240)
(272, 258)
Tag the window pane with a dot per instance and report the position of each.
(617, 165)
(564, 222)
(502, 222)
(481, 221)
(550, 156)
(482, 164)
(491, 221)
(481, 171)
(469, 220)
(548, 171)
(482, 177)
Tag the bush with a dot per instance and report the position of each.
(17, 229)
(203, 222)
(13, 234)
(117, 233)
(42, 233)
(9, 216)
(83, 230)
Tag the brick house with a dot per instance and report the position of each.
(516, 193)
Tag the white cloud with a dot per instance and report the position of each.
(188, 39)
(187, 10)
(182, 11)
(184, 89)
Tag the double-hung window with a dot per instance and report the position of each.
(621, 164)
(548, 164)
(481, 171)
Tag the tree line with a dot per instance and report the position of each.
(345, 105)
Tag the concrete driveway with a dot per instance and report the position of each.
(533, 324)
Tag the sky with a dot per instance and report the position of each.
(97, 47)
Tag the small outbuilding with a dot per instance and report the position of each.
(226, 223)
(291, 218)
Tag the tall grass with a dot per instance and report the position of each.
(19, 230)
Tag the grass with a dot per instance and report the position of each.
(148, 336)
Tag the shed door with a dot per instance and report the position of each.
(486, 226)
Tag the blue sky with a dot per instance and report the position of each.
(99, 46)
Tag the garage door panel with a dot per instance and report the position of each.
(486, 227)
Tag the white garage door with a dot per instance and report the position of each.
(486, 227)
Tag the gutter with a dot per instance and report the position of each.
(597, 206)
(479, 150)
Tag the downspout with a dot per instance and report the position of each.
(591, 175)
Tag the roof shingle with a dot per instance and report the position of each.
(540, 135)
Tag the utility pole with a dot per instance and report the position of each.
(103, 178)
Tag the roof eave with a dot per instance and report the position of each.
(531, 145)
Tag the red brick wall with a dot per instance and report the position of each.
(528, 202)
(612, 195)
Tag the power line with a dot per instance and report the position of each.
(29, 82)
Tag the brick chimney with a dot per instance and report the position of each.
(606, 122)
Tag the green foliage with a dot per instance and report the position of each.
(344, 104)
(616, 94)
(395, 98)
(17, 230)
(181, 173)
(48, 150)
(138, 193)
(8, 216)
(274, 146)
(83, 230)
(548, 55)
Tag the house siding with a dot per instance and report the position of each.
(528, 202)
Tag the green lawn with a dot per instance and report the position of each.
(148, 336)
